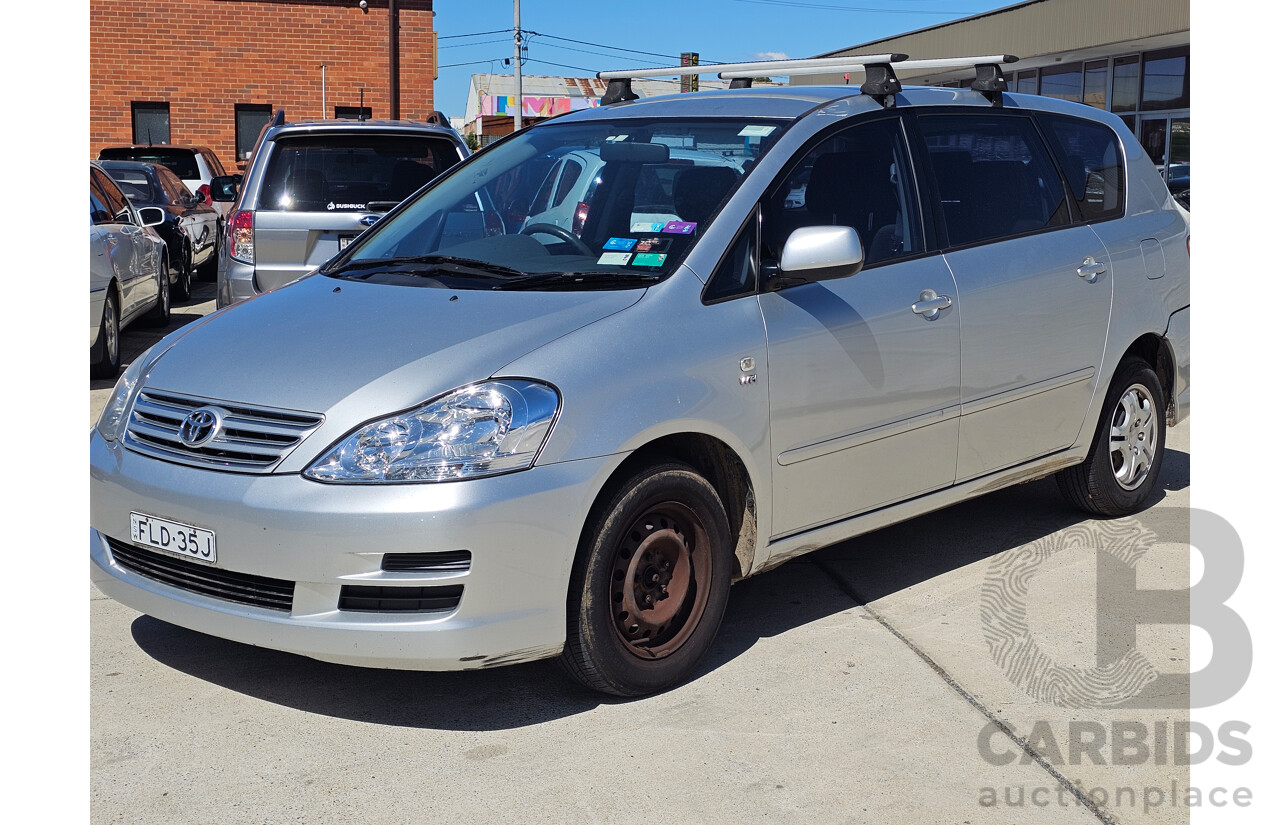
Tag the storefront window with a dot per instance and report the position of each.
(1095, 84)
(1166, 79)
(1063, 82)
(1124, 84)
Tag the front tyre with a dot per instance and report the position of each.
(1120, 472)
(650, 584)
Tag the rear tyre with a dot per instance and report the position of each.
(208, 271)
(182, 284)
(1128, 448)
(104, 362)
(650, 584)
(159, 315)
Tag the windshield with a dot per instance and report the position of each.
(606, 202)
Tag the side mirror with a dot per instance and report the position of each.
(224, 188)
(817, 253)
(151, 215)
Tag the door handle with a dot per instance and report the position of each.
(1091, 269)
(930, 304)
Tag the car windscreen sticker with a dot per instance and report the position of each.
(649, 259)
(679, 228)
(653, 244)
(623, 244)
(615, 258)
(756, 130)
(647, 227)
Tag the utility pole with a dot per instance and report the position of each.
(393, 16)
(519, 83)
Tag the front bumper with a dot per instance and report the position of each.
(522, 531)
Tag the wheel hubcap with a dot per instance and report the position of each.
(658, 588)
(1133, 437)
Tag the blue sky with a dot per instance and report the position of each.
(478, 33)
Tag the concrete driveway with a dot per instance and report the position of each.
(856, 684)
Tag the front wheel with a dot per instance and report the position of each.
(1120, 472)
(650, 585)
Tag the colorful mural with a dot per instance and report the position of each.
(534, 106)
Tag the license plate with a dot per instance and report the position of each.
(343, 240)
(174, 537)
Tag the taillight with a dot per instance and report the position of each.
(240, 236)
(580, 218)
(205, 194)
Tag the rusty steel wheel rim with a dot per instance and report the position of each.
(659, 583)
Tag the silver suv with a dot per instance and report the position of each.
(466, 441)
(312, 187)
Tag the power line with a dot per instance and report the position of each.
(474, 34)
(477, 43)
(603, 46)
(827, 7)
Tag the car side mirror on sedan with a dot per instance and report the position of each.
(223, 188)
(151, 216)
(815, 253)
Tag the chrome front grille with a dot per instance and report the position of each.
(248, 440)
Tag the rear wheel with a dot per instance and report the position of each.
(1128, 448)
(651, 583)
(182, 284)
(159, 315)
(105, 361)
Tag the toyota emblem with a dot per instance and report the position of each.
(200, 427)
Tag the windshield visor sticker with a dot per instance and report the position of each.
(653, 244)
(620, 244)
(615, 258)
(647, 227)
(679, 228)
(648, 259)
(756, 130)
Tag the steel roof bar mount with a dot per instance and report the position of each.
(619, 88)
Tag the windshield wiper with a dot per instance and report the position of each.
(590, 280)
(435, 262)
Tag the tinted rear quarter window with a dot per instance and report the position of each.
(318, 173)
(1090, 157)
(994, 176)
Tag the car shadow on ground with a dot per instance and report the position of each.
(769, 605)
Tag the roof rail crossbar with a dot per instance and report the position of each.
(855, 63)
(881, 84)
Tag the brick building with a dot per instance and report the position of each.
(211, 72)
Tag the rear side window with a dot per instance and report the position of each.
(1089, 154)
(993, 176)
(343, 173)
(179, 161)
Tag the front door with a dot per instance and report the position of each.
(864, 382)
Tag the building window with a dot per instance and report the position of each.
(1124, 84)
(1095, 84)
(353, 112)
(150, 123)
(1064, 81)
(250, 118)
(1028, 83)
(1166, 79)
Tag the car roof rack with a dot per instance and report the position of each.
(881, 79)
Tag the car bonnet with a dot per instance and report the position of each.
(356, 351)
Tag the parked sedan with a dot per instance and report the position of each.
(190, 227)
(126, 261)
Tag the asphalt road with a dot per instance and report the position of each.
(855, 684)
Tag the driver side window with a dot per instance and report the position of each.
(859, 177)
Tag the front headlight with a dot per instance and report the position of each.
(113, 414)
(481, 430)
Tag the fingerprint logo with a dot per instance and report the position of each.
(1005, 594)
